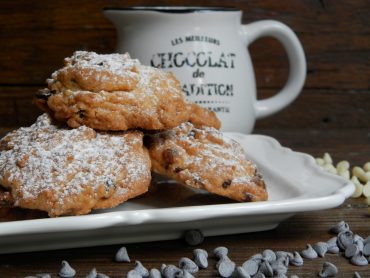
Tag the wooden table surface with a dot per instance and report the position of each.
(291, 235)
(330, 115)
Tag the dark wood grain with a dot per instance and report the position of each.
(85, 14)
(38, 35)
(349, 144)
(291, 235)
(337, 61)
(331, 115)
(335, 37)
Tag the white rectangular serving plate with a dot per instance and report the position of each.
(294, 183)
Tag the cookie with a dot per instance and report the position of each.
(200, 117)
(206, 159)
(72, 171)
(114, 92)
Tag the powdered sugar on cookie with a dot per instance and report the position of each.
(65, 164)
(115, 63)
(113, 92)
(205, 158)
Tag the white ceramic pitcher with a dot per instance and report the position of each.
(206, 48)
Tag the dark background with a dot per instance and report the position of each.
(332, 113)
(35, 37)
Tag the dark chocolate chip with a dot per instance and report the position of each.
(148, 141)
(198, 181)
(100, 64)
(43, 94)
(163, 136)
(81, 114)
(226, 183)
(169, 156)
(194, 237)
(6, 199)
(191, 133)
(258, 180)
(178, 169)
(109, 184)
(6, 146)
(248, 197)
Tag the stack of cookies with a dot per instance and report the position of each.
(109, 123)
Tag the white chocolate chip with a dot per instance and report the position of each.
(358, 172)
(320, 161)
(343, 165)
(330, 168)
(366, 189)
(355, 180)
(367, 166)
(344, 173)
(327, 158)
(358, 190)
(366, 177)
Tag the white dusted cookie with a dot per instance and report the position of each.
(206, 159)
(71, 171)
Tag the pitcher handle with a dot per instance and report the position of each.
(297, 63)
